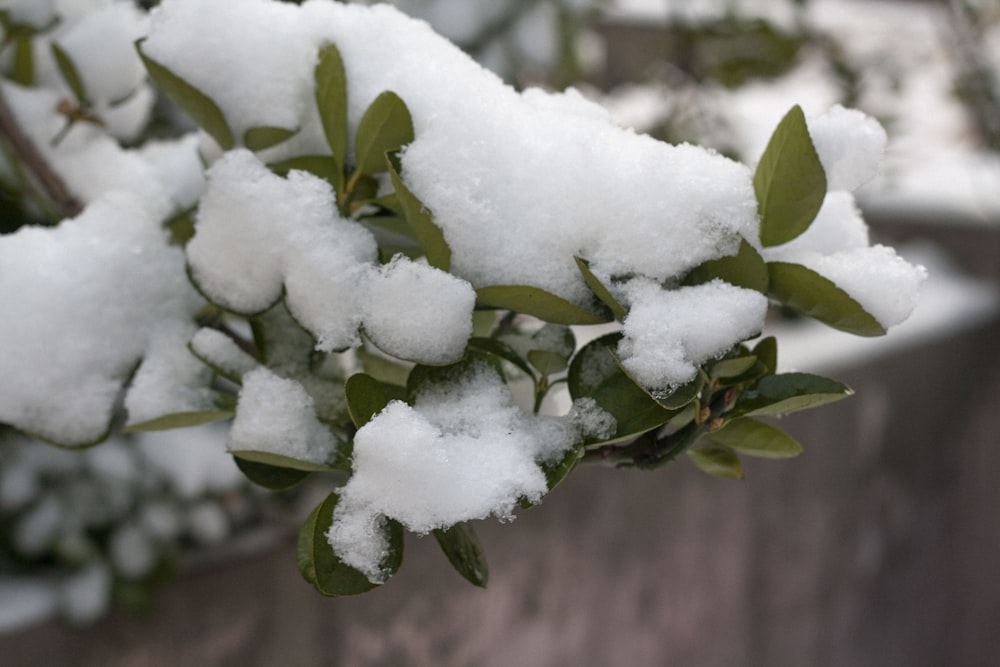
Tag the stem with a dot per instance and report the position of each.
(49, 182)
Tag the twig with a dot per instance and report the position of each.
(48, 181)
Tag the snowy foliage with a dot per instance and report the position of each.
(386, 235)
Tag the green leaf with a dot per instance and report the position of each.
(813, 295)
(199, 106)
(557, 471)
(280, 461)
(23, 69)
(500, 349)
(547, 362)
(179, 420)
(717, 460)
(268, 476)
(744, 269)
(599, 290)
(683, 395)
(755, 438)
(595, 372)
(730, 368)
(70, 74)
(789, 182)
(321, 567)
(461, 545)
(331, 100)
(766, 352)
(790, 392)
(265, 136)
(429, 235)
(318, 165)
(366, 397)
(386, 126)
(536, 301)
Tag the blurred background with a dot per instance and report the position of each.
(879, 546)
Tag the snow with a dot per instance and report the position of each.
(276, 415)
(69, 279)
(417, 312)
(468, 453)
(850, 145)
(222, 352)
(668, 333)
(566, 166)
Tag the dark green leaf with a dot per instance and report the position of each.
(755, 438)
(557, 471)
(595, 372)
(70, 74)
(429, 235)
(547, 362)
(809, 293)
(366, 397)
(599, 289)
(536, 301)
(386, 126)
(745, 269)
(717, 460)
(790, 392)
(331, 100)
(268, 476)
(789, 182)
(321, 567)
(766, 352)
(181, 228)
(683, 395)
(199, 106)
(502, 350)
(730, 368)
(179, 420)
(460, 544)
(23, 70)
(260, 138)
(279, 461)
(318, 165)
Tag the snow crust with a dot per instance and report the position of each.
(469, 453)
(85, 302)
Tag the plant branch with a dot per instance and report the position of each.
(38, 168)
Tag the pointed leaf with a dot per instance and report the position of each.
(547, 362)
(179, 420)
(500, 349)
(386, 126)
(813, 295)
(683, 395)
(199, 106)
(755, 438)
(746, 269)
(285, 462)
(766, 352)
(265, 136)
(268, 476)
(70, 74)
(318, 165)
(460, 544)
(321, 567)
(789, 182)
(536, 301)
(730, 368)
(599, 290)
(717, 461)
(429, 235)
(557, 471)
(331, 100)
(366, 397)
(790, 392)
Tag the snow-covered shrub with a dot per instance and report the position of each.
(389, 243)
